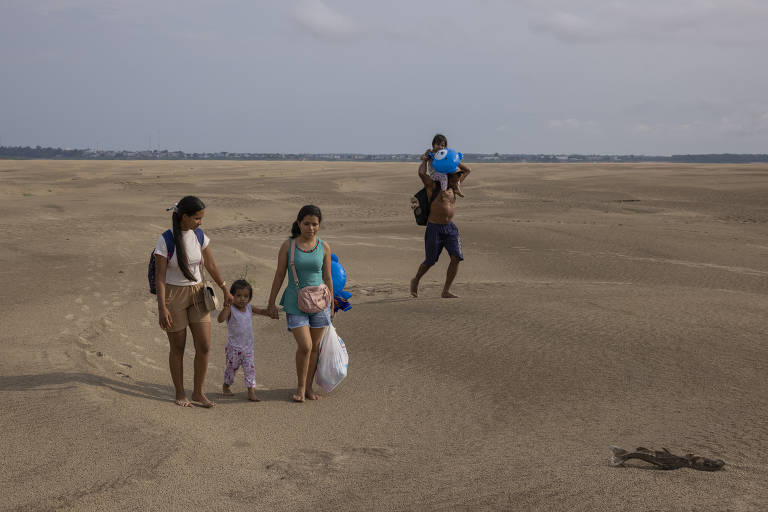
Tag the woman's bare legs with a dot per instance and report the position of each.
(177, 341)
(201, 336)
(317, 334)
(303, 355)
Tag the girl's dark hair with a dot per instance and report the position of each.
(188, 205)
(309, 209)
(439, 139)
(241, 284)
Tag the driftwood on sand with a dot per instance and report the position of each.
(665, 460)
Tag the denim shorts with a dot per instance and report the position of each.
(319, 319)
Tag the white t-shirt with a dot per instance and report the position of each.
(173, 274)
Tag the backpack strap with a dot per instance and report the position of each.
(435, 194)
(169, 243)
(200, 236)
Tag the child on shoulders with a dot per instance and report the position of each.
(439, 142)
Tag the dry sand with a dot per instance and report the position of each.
(601, 304)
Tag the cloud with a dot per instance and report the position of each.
(568, 27)
(713, 21)
(570, 124)
(744, 124)
(732, 121)
(325, 23)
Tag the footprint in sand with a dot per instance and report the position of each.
(70, 316)
(310, 461)
(149, 365)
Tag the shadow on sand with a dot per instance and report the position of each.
(265, 395)
(57, 381)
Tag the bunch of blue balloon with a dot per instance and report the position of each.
(446, 161)
(339, 277)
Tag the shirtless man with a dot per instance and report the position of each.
(441, 232)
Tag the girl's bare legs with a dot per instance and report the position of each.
(303, 355)
(177, 341)
(201, 335)
(317, 334)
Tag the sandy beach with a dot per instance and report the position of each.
(600, 305)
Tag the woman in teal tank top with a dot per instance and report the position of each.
(312, 258)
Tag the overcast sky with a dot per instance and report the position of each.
(526, 76)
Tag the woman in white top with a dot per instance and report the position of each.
(180, 302)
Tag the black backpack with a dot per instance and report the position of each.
(170, 245)
(421, 212)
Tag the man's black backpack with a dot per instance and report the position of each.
(170, 245)
(421, 212)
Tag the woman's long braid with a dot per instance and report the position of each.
(181, 253)
(188, 205)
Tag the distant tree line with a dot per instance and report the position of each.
(721, 158)
(27, 152)
(41, 152)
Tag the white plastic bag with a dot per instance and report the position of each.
(333, 360)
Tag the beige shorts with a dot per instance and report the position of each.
(186, 305)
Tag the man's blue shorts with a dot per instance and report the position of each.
(319, 319)
(438, 236)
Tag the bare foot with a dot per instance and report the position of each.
(310, 395)
(449, 295)
(414, 287)
(458, 191)
(297, 398)
(202, 401)
(252, 395)
(183, 402)
(226, 391)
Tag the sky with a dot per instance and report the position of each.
(650, 77)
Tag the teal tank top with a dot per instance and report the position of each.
(309, 268)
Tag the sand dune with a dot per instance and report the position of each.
(601, 305)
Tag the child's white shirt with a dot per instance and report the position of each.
(240, 328)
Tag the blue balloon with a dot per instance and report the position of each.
(446, 161)
(338, 274)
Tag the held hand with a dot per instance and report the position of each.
(228, 298)
(272, 311)
(166, 321)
